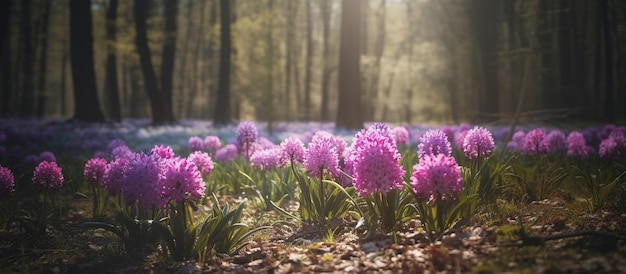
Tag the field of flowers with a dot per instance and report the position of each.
(193, 197)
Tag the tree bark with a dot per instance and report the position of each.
(5, 56)
(222, 104)
(326, 13)
(168, 57)
(41, 86)
(86, 102)
(141, 9)
(28, 88)
(309, 61)
(349, 110)
(112, 88)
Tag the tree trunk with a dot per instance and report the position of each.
(483, 15)
(5, 56)
(168, 57)
(379, 48)
(86, 102)
(309, 61)
(291, 14)
(608, 113)
(326, 13)
(28, 88)
(111, 86)
(41, 86)
(222, 104)
(349, 113)
(141, 9)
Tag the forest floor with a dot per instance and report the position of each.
(488, 243)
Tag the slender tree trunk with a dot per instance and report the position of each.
(379, 48)
(63, 86)
(111, 86)
(5, 55)
(195, 85)
(222, 104)
(41, 86)
(326, 13)
(182, 71)
(309, 61)
(86, 102)
(291, 14)
(141, 9)
(168, 57)
(349, 111)
(28, 88)
(608, 113)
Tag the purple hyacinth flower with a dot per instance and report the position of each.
(115, 175)
(613, 147)
(266, 158)
(212, 143)
(181, 181)
(556, 141)
(436, 178)
(535, 142)
(203, 162)
(292, 151)
(321, 156)
(375, 162)
(576, 145)
(94, 171)
(247, 134)
(434, 142)
(48, 174)
(142, 182)
(227, 153)
(47, 156)
(401, 135)
(478, 143)
(7, 182)
(195, 143)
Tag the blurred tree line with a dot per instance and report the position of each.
(347, 61)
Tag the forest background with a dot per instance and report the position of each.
(349, 61)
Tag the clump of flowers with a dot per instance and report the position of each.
(195, 143)
(94, 171)
(434, 142)
(436, 178)
(517, 140)
(437, 183)
(212, 143)
(576, 145)
(48, 175)
(321, 157)
(478, 143)
(227, 153)
(141, 182)
(247, 134)
(115, 175)
(7, 182)
(266, 158)
(203, 162)
(94, 174)
(613, 147)
(291, 151)
(375, 162)
(401, 135)
(535, 142)
(556, 141)
(181, 181)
